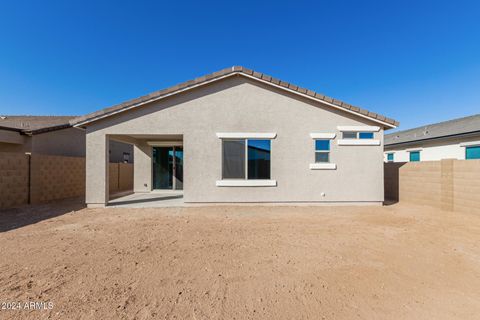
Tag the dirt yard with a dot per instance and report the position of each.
(394, 262)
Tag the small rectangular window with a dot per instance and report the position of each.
(126, 157)
(322, 151)
(390, 157)
(472, 152)
(365, 135)
(414, 156)
(349, 135)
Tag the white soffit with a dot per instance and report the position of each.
(358, 142)
(246, 135)
(359, 128)
(314, 135)
(470, 144)
(413, 149)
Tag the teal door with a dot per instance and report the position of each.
(167, 168)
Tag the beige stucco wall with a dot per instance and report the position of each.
(66, 142)
(242, 105)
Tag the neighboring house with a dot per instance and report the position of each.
(241, 136)
(454, 139)
(51, 135)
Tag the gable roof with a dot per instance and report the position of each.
(27, 124)
(466, 125)
(235, 70)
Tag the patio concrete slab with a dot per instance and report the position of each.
(154, 199)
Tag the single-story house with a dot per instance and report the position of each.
(454, 139)
(238, 136)
(51, 135)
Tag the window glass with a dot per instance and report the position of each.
(321, 157)
(365, 135)
(414, 156)
(322, 145)
(349, 135)
(233, 159)
(258, 159)
(389, 156)
(322, 148)
(472, 152)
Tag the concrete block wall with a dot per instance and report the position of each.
(56, 177)
(51, 178)
(452, 185)
(13, 179)
(466, 185)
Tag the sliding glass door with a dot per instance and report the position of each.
(168, 168)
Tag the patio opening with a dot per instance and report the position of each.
(157, 171)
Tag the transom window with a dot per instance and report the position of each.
(322, 151)
(357, 135)
(472, 152)
(246, 159)
(414, 156)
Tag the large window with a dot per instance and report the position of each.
(246, 159)
(472, 152)
(322, 151)
(414, 156)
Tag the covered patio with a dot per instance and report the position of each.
(157, 172)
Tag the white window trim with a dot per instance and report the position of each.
(359, 128)
(246, 183)
(470, 144)
(322, 151)
(358, 142)
(330, 136)
(323, 166)
(246, 135)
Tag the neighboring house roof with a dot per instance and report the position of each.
(236, 70)
(35, 124)
(449, 128)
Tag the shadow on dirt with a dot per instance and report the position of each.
(15, 218)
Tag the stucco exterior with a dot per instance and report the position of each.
(435, 150)
(239, 104)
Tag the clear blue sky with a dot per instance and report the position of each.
(415, 61)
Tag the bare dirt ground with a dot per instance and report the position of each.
(394, 262)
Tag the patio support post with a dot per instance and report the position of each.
(142, 167)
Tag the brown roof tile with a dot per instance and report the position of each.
(230, 71)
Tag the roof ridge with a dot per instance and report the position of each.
(433, 124)
(222, 74)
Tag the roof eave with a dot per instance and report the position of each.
(216, 76)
